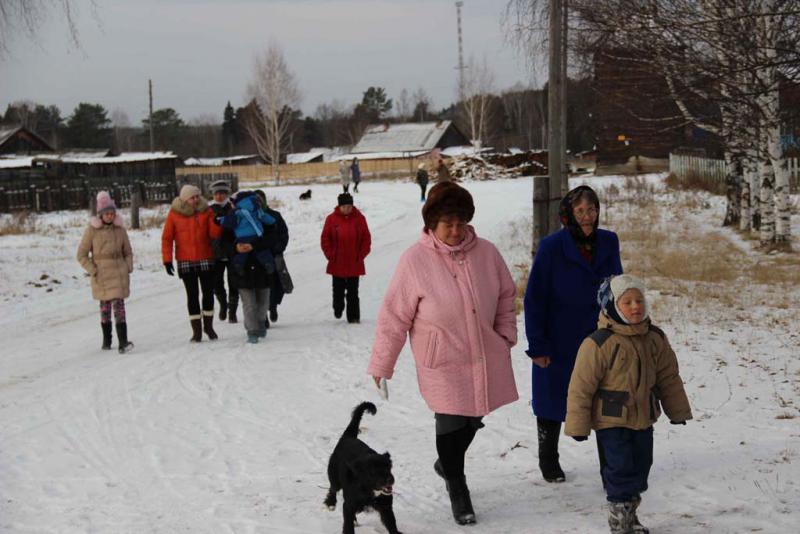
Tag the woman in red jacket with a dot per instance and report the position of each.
(190, 227)
(346, 242)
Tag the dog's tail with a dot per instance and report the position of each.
(352, 429)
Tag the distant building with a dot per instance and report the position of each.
(127, 165)
(21, 141)
(413, 139)
(246, 159)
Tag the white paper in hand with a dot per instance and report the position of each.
(384, 389)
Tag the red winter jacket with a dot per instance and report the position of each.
(346, 242)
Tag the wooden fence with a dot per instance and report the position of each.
(713, 171)
(306, 172)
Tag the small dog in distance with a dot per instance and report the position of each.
(306, 195)
(363, 475)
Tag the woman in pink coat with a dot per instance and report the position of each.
(453, 295)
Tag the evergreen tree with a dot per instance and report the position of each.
(168, 128)
(374, 104)
(230, 131)
(89, 127)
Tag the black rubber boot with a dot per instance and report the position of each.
(106, 336)
(273, 315)
(223, 311)
(122, 337)
(460, 501)
(197, 331)
(232, 316)
(548, 449)
(208, 326)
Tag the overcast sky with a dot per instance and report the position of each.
(199, 53)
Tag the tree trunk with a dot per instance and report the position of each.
(745, 220)
(733, 183)
(766, 202)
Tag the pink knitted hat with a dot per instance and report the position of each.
(105, 203)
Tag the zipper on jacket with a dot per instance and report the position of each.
(613, 357)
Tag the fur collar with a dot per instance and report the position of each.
(97, 223)
(182, 208)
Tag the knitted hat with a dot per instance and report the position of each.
(220, 186)
(613, 288)
(105, 203)
(188, 191)
(345, 199)
(447, 199)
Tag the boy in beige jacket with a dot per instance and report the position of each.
(624, 374)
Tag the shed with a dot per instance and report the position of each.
(398, 140)
(20, 140)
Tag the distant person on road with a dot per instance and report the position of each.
(625, 373)
(561, 310)
(344, 175)
(452, 296)
(105, 254)
(228, 302)
(355, 172)
(422, 180)
(346, 242)
(190, 228)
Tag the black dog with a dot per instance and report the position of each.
(306, 195)
(364, 476)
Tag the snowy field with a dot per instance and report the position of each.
(226, 437)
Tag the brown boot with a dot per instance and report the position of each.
(208, 324)
(197, 330)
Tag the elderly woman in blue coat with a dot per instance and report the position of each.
(561, 310)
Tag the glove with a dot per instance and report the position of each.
(169, 268)
(580, 438)
(677, 422)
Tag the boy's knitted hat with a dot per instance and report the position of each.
(345, 199)
(613, 288)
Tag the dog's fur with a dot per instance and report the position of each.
(306, 195)
(364, 476)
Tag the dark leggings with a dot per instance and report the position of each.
(190, 282)
(452, 448)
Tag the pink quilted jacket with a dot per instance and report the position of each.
(457, 306)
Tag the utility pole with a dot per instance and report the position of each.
(556, 106)
(461, 66)
(150, 121)
(548, 190)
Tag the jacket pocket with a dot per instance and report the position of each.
(655, 406)
(430, 351)
(612, 403)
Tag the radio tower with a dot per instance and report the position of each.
(461, 66)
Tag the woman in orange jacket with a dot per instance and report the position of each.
(190, 228)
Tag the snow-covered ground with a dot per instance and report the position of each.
(227, 437)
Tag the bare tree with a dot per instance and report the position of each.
(422, 104)
(274, 91)
(478, 87)
(28, 16)
(404, 105)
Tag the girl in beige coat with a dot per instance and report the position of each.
(105, 254)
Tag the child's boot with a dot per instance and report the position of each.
(637, 527)
(620, 517)
(106, 336)
(122, 337)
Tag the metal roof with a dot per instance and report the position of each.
(407, 137)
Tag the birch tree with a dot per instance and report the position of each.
(274, 92)
(478, 87)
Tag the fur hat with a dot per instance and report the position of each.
(345, 199)
(220, 186)
(613, 288)
(447, 199)
(105, 203)
(421, 166)
(188, 191)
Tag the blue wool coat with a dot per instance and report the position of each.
(561, 310)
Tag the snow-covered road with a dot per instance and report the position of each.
(227, 437)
